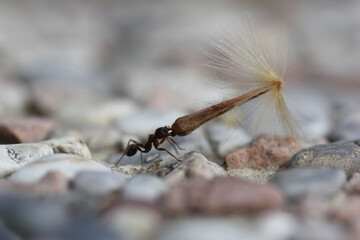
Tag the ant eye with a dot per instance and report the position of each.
(132, 150)
(162, 132)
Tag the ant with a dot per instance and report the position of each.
(161, 135)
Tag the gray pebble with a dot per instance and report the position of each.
(68, 164)
(31, 217)
(207, 228)
(14, 156)
(344, 155)
(145, 188)
(98, 183)
(347, 129)
(320, 182)
(90, 230)
(7, 234)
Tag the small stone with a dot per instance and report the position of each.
(95, 137)
(14, 156)
(226, 139)
(89, 229)
(68, 164)
(13, 95)
(276, 225)
(145, 188)
(299, 182)
(24, 129)
(353, 185)
(69, 145)
(347, 129)
(207, 228)
(52, 184)
(134, 221)
(344, 155)
(7, 234)
(98, 183)
(314, 208)
(254, 175)
(222, 195)
(31, 216)
(263, 152)
(194, 165)
(100, 112)
(348, 210)
(321, 229)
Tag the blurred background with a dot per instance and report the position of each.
(98, 61)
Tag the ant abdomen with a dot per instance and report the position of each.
(133, 148)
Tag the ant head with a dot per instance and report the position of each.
(162, 132)
(132, 150)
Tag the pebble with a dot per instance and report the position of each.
(52, 184)
(254, 175)
(98, 183)
(68, 164)
(207, 228)
(344, 155)
(347, 129)
(353, 185)
(145, 187)
(348, 210)
(226, 139)
(101, 113)
(7, 234)
(314, 229)
(263, 152)
(222, 195)
(14, 156)
(19, 129)
(89, 229)
(299, 182)
(30, 216)
(194, 165)
(314, 208)
(13, 96)
(126, 217)
(95, 137)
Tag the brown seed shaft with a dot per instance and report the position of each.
(187, 124)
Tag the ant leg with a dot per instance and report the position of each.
(125, 152)
(173, 146)
(122, 156)
(176, 143)
(163, 149)
(142, 161)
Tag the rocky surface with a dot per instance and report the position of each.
(24, 129)
(319, 182)
(263, 152)
(344, 155)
